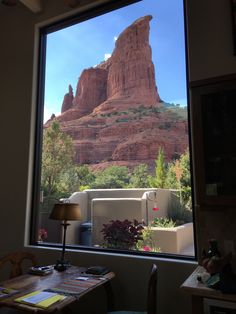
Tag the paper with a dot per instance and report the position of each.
(40, 299)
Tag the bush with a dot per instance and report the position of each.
(180, 214)
(122, 234)
(147, 243)
(113, 177)
(163, 222)
(122, 120)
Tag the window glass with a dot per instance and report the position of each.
(115, 135)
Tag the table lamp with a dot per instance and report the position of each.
(65, 212)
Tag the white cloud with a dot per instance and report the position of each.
(107, 56)
(115, 38)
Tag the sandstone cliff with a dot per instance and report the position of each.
(116, 115)
(68, 100)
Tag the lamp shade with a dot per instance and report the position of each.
(66, 211)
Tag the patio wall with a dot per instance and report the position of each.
(118, 204)
(175, 240)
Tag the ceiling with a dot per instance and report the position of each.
(36, 6)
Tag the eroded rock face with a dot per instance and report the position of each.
(116, 116)
(131, 72)
(68, 100)
(91, 90)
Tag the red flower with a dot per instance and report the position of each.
(42, 234)
(147, 248)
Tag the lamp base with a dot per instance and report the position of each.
(62, 265)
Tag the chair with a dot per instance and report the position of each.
(16, 260)
(151, 295)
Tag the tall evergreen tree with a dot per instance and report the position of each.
(160, 171)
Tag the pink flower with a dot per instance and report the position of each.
(42, 234)
(147, 248)
(155, 208)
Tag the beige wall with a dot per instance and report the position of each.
(210, 39)
(211, 54)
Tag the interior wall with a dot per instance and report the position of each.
(210, 54)
(210, 39)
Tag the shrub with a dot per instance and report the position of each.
(122, 234)
(180, 214)
(147, 243)
(163, 222)
(122, 120)
(112, 177)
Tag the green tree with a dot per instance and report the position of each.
(68, 182)
(160, 171)
(57, 158)
(85, 176)
(178, 172)
(185, 179)
(171, 180)
(178, 177)
(111, 177)
(139, 177)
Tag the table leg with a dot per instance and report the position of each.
(197, 305)
(109, 292)
(66, 310)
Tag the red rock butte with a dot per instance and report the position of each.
(116, 116)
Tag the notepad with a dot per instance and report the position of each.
(42, 299)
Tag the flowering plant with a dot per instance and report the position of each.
(147, 244)
(42, 234)
(122, 234)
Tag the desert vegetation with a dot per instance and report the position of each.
(61, 176)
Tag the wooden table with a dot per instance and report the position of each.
(199, 291)
(29, 283)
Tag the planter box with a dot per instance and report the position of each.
(176, 240)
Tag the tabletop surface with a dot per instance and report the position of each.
(192, 286)
(28, 283)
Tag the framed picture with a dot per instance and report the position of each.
(212, 306)
(233, 10)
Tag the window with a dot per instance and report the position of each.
(114, 134)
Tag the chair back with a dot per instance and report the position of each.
(16, 260)
(152, 291)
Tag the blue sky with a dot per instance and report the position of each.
(86, 44)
